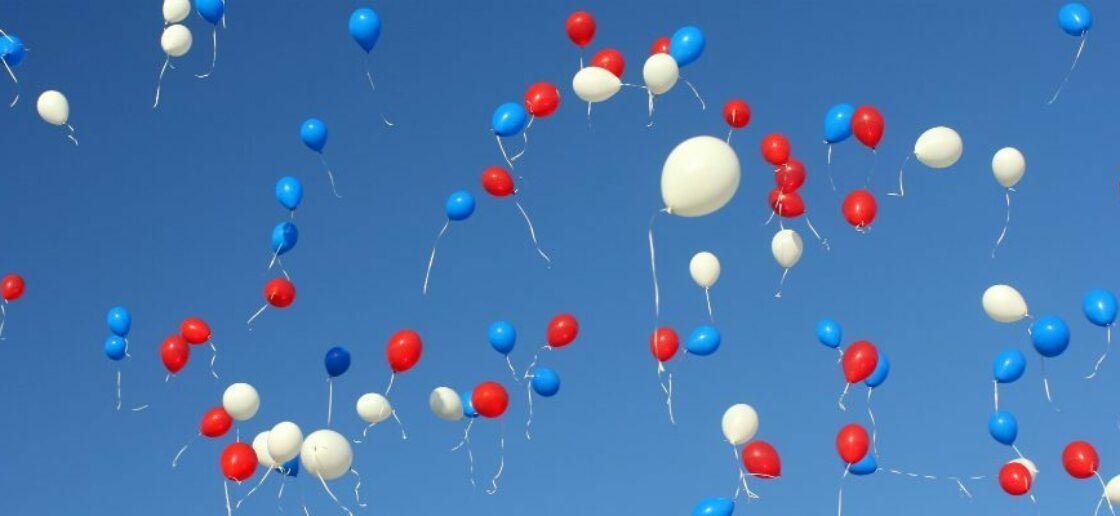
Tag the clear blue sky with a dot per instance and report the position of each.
(169, 213)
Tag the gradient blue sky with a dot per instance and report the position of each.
(169, 213)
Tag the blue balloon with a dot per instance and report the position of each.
(115, 347)
(284, 237)
(211, 10)
(365, 27)
(1009, 365)
(1100, 307)
(289, 191)
(460, 205)
(509, 119)
(829, 333)
(337, 361)
(879, 375)
(866, 466)
(1003, 427)
(545, 382)
(11, 50)
(1050, 336)
(1075, 19)
(703, 341)
(714, 506)
(119, 321)
(502, 337)
(468, 405)
(291, 468)
(838, 123)
(313, 132)
(686, 45)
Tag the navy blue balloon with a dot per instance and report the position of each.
(460, 205)
(284, 237)
(1009, 365)
(337, 361)
(11, 50)
(686, 45)
(866, 466)
(1050, 336)
(115, 347)
(211, 10)
(468, 405)
(509, 119)
(313, 132)
(838, 123)
(714, 506)
(703, 341)
(1003, 427)
(545, 382)
(119, 321)
(502, 337)
(289, 191)
(1075, 18)
(829, 333)
(365, 27)
(291, 468)
(882, 370)
(1100, 307)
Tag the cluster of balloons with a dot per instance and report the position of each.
(176, 39)
(176, 349)
(1049, 335)
(289, 193)
(867, 124)
(240, 402)
(785, 202)
(861, 362)
(562, 330)
(512, 118)
(760, 459)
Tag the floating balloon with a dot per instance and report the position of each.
(403, 350)
(593, 84)
(1080, 460)
(468, 406)
(1100, 307)
(12, 287)
(860, 360)
(313, 133)
(775, 149)
(1075, 19)
(1015, 478)
(1050, 336)
(1112, 490)
(703, 341)
(260, 447)
(686, 45)
(497, 182)
(119, 320)
(660, 74)
(212, 11)
(664, 344)
(289, 191)
(704, 268)
(542, 99)
(174, 352)
(790, 176)
(284, 441)
(175, 41)
(11, 55)
(239, 462)
(787, 248)
(868, 125)
(326, 454)
(786, 205)
(610, 60)
(1009, 365)
(459, 207)
(660, 46)
(829, 333)
(1008, 166)
(284, 238)
(545, 382)
(714, 507)
(490, 399)
(116, 347)
(54, 109)
(278, 292)
(215, 422)
(739, 424)
(699, 177)
(509, 119)
(879, 375)
(866, 466)
(374, 408)
(838, 123)
(761, 460)
(502, 337)
(1004, 304)
(562, 330)
(1003, 427)
(859, 209)
(581, 28)
(365, 27)
(737, 114)
(241, 401)
(337, 361)
(175, 11)
(446, 404)
(852, 443)
(939, 147)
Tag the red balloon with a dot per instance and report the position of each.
(867, 125)
(661, 46)
(787, 205)
(761, 460)
(859, 361)
(404, 350)
(562, 330)
(852, 443)
(860, 208)
(497, 182)
(12, 287)
(542, 99)
(611, 60)
(280, 292)
(1015, 478)
(737, 113)
(1080, 459)
(581, 28)
(790, 176)
(775, 149)
(175, 352)
(215, 422)
(195, 331)
(239, 462)
(490, 399)
(664, 344)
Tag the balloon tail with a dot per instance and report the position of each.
(524, 147)
(708, 299)
(404, 436)
(874, 425)
(536, 356)
(73, 136)
(1006, 222)
(392, 376)
(1046, 387)
(533, 234)
(259, 312)
(512, 371)
(770, 218)
(668, 392)
(957, 480)
(501, 464)
(729, 131)
(588, 114)
(330, 175)
(1076, 58)
(649, 94)
(330, 399)
(1104, 496)
(1015, 448)
(175, 461)
(358, 488)
(118, 388)
(466, 441)
(831, 181)
(213, 358)
(995, 393)
(502, 147)
(703, 106)
(1108, 346)
(365, 431)
(315, 456)
(229, 510)
(529, 421)
(369, 76)
(781, 283)
(254, 489)
(432, 257)
(901, 188)
(213, 60)
(14, 80)
(842, 396)
(823, 241)
(275, 256)
(840, 502)
(159, 83)
(653, 265)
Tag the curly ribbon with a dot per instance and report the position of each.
(529, 421)
(1108, 346)
(159, 83)
(703, 106)
(901, 189)
(1104, 496)
(502, 147)
(668, 390)
(1046, 387)
(512, 371)
(330, 175)
(214, 60)
(213, 358)
(842, 396)
(466, 441)
(823, 241)
(432, 257)
(533, 233)
(958, 480)
(874, 425)
(392, 377)
(73, 134)
(501, 465)
(708, 299)
(1077, 57)
(1006, 222)
(782, 282)
(358, 488)
(175, 461)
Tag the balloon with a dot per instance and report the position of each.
(664, 344)
(660, 73)
(852, 443)
(787, 205)
(594, 84)
(700, 176)
(703, 341)
(119, 321)
(497, 182)
(790, 176)
(468, 407)
(610, 60)
(374, 408)
(365, 27)
(581, 28)
(53, 107)
(211, 11)
(1003, 427)
(939, 147)
(284, 237)
(704, 268)
(490, 399)
(739, 424)
(289, 191)
(215, 422)
(686, 45)
(1080, 460)
(860, 361)
(238, 461)
(1112, 490)
(290, 468)
(1050, 336)
(12, 287)
(176, 40)
(1015, 478)
(562, 330)
(545, 382)
(1004, 304)
(542, 99)
(737, 113)
(326, 454)
(241, 401)
(867, 125)
(403, 350)
(446, 404)
(116, 347)
(509, 119)
(775, 149)
(195, 331)
(284, 441)
(859, 208)
(313, 132)
(838, 123)
(337, 361)
(1075, 19)
(1009, 365)
(879, 375)
(279, 292)
(660, 46)
(829, 333)
(1031, 468)
(865, 466)
(786, 247)
(761, 460)
(175, 352)
(1100, 307)
(714, 507)
(460, 205)
(260, 447)
(175, 11)
(502, 337)
(1008, 166)
(11, 50)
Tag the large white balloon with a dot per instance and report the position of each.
(787, 248)
(53, 107)
(1112, 490)
(699, 177)
(660, 73)
(704, 268)
(1029, 464)
(326, 454)
(939, 147)
(446, 404)
(176, 40)
(594, 84)
(241, 401)
(1004, 304)
(740, 423)
(260, 445)
(284, 441)
(175, 11)
(1009, 165)
(374, 408)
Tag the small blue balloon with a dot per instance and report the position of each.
(211, 10)
(313, 132)
(284, 237)
(337, 361)
(468, 405)
(714, 506)
(365, 27)
(1003, 427)
(882, 370)
(838, 123)
(686, 45)
(545, 382)
(289, 191)
(115, 347)
(1075, 19)
(11, 50)
(703, 341)
(502, 337)
(460, 205)
(1100, 307)
(291, 468)
(119, 321)
(866, 466)
(1050, 336)
(829, 333)
(1009, 365)
(509, 119)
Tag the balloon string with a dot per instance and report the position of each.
(213, 358)
(1046, 386)
(781, 283)
(318, 473)
(708, 299)
(529, 422)
(741, 484)
(524, 147)
(649, 108)
(902, 189)
(1006, 222)
(501, 465)
(392, 376)
(512, 371)
(1077, 57)
(118, 388)
(330, 175)
(3, 316)
(214, 60)
(365, 431)
(874, 425)
(588, 114)
(470, 453)
(529, 370)
(1104, 495)
(254, 489)
(653, 265)
(958, 480)
(772, 213)
(259, 312)
(840, 351)
(703, 106)
(995, 394)
(73, 134)
(823, 241)
(432, 258)
(358, 488)
(502, 147)
(840, 502)
(729, 131)
(668, 392)
(14, 80)
(1017, 452)
(175, 461)
(404, 436)
(533, 233)
(330, 399)
(1108, 346)
(369, 75)
(842, 396)
(229, 510)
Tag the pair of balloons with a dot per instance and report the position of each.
(852, 443)
(119, 320)
(403, 350)
(337, 361)
(289, 192)
(489, 399)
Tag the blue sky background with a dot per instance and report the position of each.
(169, 213)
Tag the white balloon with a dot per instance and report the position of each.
(1029, 464)
(787, 248)
(326, 454)
(660, 73)
(175, 11)
(176, 40)
(700, 176)
(1009, 165)
(53, 107)
(939, 147)
(704, 268)
(1112, 490)
(284, 441)
(374, 408)
(446, 404)
(260, 445)
(594, 84)
(241, 401)
(1004, 304)
(740, 423)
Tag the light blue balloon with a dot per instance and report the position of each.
(211, 10)
(838, 123)
(284, 237)
(1003, 427)
(1100, 307)
(460, 205)
(1050, 336)
(1075, 19)
(866, 466)
(1009, 365)
(115, 347)
(545, 382)
(290, 468)
(119, 321)
(313, 132)
(829, 333)
(509, 119)
(882, 370)
(502, 337)
(703, 341)
(365, 27)
(289, 191)
(11, 50)
(686, 45)
(468, 405)
(714, 506)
